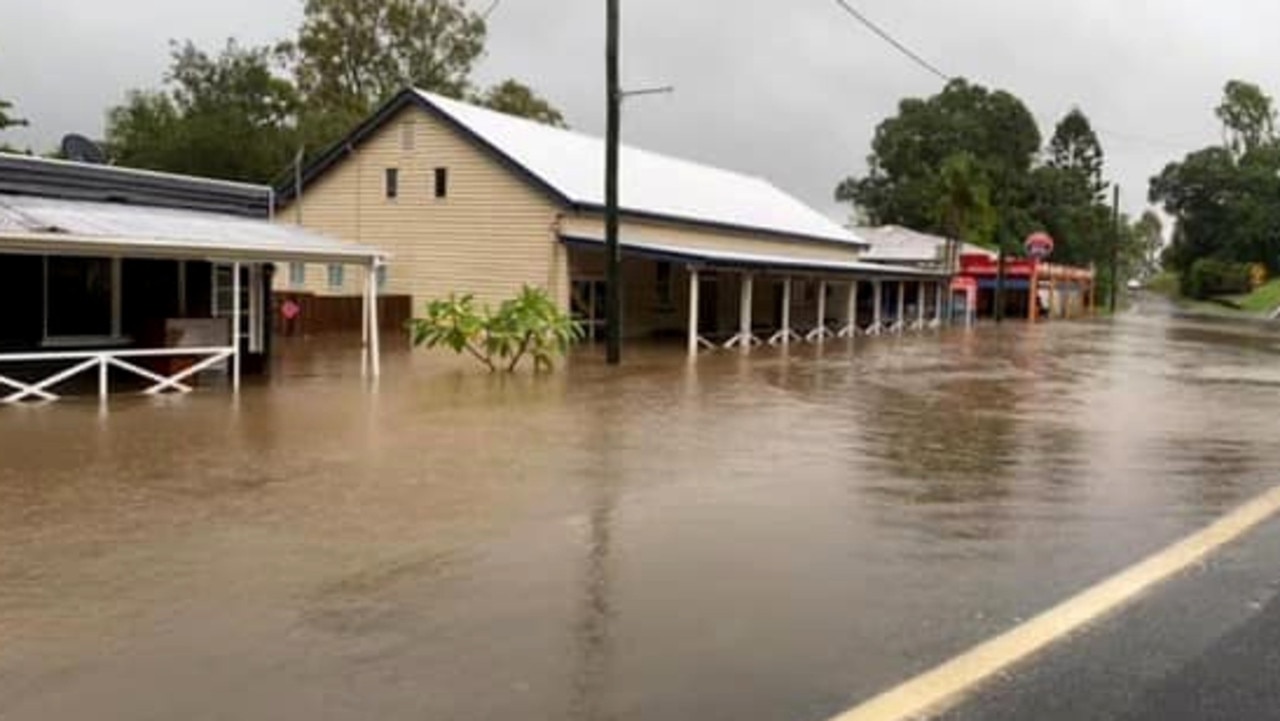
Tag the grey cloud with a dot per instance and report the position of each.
(788, 90)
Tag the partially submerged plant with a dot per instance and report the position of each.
(529, 325)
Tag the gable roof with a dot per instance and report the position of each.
(569, 166)
(896, 244)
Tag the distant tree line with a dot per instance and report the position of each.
(243, 113)
(970, 163)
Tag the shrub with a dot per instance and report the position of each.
(1208, 277)
(527, 326)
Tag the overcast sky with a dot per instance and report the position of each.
(788, 89)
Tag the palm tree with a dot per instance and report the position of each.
(963, 204)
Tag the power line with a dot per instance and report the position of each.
(932, 69)
(884, 35)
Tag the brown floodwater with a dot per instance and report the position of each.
(768, 537)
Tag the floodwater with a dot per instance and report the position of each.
(772, 537)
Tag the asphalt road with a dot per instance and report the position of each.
(1205, 646)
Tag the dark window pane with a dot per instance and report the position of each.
(79, 293)
(442, 182)
(393, 182)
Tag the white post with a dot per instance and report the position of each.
(255, 308)
(235, 326)
(744, 313)
(695, 287)
(822, 309)
(850, 328)
(104, 383)
(786, 310)
(820, 332)
(899, 323)
(364, 322)
(937, 304)
(920, 305)
(877, 307)
(375, 345)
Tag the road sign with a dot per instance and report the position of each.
(1039, 245)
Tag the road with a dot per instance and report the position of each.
(1205, 646)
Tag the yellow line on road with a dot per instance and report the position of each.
(935, 690)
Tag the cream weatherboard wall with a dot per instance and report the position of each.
(694, 237)
(493, 233)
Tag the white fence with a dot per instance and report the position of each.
(103, 362)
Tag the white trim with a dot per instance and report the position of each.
(103, 360)
(235, 326)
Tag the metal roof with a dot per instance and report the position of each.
(28, 175)
(573, 164)
(30, 224)
(896, 244)
(761, 261)
(569, 167)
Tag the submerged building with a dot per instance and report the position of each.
(114, 276)
(469, 200)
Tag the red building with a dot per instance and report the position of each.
(1033, 289)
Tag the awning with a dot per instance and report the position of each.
(51, 226)
(736, 259)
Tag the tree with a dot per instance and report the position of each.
(231, 116)
(1075, 148)
(515, 98)
(1248, 117)
(902, 185)
(1147, 241)
(529, 325)
(353, 54)
(964, 201)
(6, 120)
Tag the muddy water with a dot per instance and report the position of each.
(768, 538)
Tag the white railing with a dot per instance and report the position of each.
(103, 361)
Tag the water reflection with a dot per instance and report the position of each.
(764, 536)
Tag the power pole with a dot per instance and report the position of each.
(613, 302)
(1115, 246)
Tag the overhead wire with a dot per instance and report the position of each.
(933, 69)
(899, 45)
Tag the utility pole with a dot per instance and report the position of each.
(1115, 246)
(613, 302)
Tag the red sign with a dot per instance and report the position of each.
(983, 265)
(290, 310)
(1039, 245)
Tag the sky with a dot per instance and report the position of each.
(791, 90)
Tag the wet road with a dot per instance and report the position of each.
(757, 538)
(1204, 647)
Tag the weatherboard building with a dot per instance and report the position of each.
(468, 200)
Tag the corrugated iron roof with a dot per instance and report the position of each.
(36, 224)
(896, 244)
(650, 183)
(763, 261)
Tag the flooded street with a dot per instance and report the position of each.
(766, 537)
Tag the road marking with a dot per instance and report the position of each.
(934, 691)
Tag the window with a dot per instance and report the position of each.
(337, 275)
(663, 284)
(393, 183)
(82, 296)
(297, 274)
(382, 277)
(442, 182)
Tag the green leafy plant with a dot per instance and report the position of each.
(527, 326)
